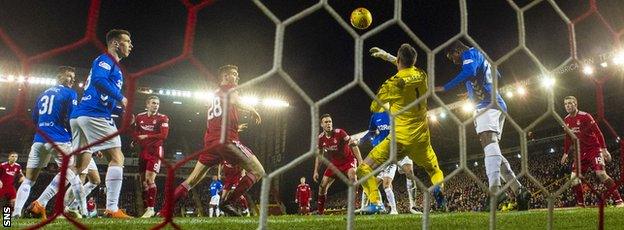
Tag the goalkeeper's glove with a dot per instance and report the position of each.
(380, 53)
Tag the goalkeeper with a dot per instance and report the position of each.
(412, 130)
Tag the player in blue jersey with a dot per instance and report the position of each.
(216, 186)
(51, 115)
(378, 130)
(91, 120)
(477, 77)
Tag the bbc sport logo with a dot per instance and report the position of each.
(6, 216)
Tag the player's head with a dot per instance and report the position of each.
(90, 198)
(326, 123)
(214, 177)
(12, 157)
(119, 41)
(455, 50)
(302, 180)
(406, 56)
(571, 104)
(228, 75)
(152, 104)
(65, 75)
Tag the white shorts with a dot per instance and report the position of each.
(389, 171)
(490, 120)
(92, 166)
(405, 161)
(214, 200)
(86, 130)
(40, 154)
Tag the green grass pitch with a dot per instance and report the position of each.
(586, 218)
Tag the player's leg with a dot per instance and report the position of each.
(387, 179)
(322, 192)
(95, 129)
(577, 188)
(114, 178)
(377, 155)
(237, 153)
(217, 210)
(423, 155)
(152, 168)
(606, 180)
(196, 176)
(243, 202)
(33, 168)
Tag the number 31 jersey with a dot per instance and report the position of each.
(51, 113)
(215, 116)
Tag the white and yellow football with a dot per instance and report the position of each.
(361, 18)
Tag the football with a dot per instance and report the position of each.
(361, 18)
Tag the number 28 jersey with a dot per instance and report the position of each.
(215, 116)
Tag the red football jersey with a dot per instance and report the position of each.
(336, 147)
(586, 130)
(90, 205)
(156, 127)
(232, 173)
(303, 193)
(215, 115)
(8, 173)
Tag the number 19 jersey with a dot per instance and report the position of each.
(215, 116)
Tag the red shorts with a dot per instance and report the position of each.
(343, 167)
(7, 192)
(590, 161)
(232, 176)
(150, 160)
(233, 152)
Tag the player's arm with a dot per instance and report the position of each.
(469, 69)
(317, 163)
(297, 195)
(371, 131)
(356, 151)
(566, 148)
(219, 170)
(99, 79)
(380, 53)
(237, 101)
(603, 146)
(164, 130)
(35, 112)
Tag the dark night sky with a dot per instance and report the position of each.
(318, 53)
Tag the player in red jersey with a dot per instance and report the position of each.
(232, 150)
(343, 153)
(303, 196)
(593, 150)
(150, 131)
(8, 171)
(232, 174)
(92, 208)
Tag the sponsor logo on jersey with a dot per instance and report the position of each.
(104, 65)
(46, 124)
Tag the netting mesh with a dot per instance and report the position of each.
(18, 114)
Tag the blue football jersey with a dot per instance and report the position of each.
(102, 89)
(215, 187)
(477, 76)
(378, 128)
(51, 113)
